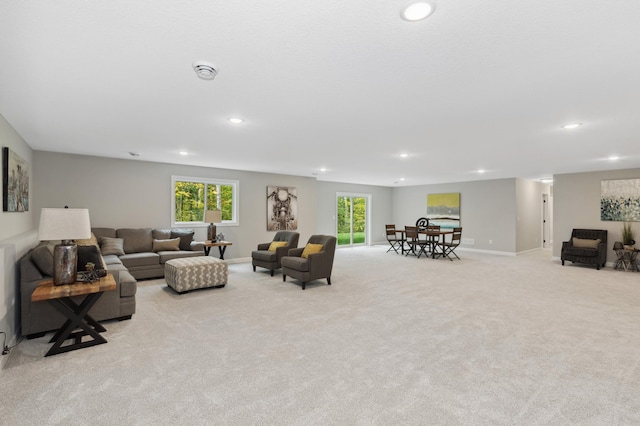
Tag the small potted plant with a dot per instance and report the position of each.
(628, 236)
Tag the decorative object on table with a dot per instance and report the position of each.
(620, 200)
(444, 210)
(220, 237)
(15, 182)
(212, 217)
(65, 225)
(282, 208)
(628, 236)
(91, 275)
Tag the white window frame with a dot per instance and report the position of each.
(209, 181)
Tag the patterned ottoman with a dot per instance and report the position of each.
(190, 273)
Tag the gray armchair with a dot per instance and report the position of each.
(315, 266)
(270, 260)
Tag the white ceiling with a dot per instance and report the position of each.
(341, 84)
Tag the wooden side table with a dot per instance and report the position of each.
(78, 317)
(222, 247)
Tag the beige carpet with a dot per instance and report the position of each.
(489, 340)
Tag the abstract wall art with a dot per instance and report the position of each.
(620, 200)
(15, 182)
(444, 209)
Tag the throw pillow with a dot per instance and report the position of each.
(111, 246)
(310, 249)
(585, 243)
(166, 245)
(274, 245)
(43, 260)
(91, 241)
(186, 236)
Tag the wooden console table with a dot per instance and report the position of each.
(222, 247)
(78, 314)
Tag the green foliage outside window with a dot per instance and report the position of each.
(191, 198)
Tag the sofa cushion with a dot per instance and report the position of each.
(43, 259)
(275, 244)
(264, 255)
(580, 251)
(104, 232)
(111, 246)
(168, 255)
(585, 243)
(311, 249)
(161, 234)
(140, 259)
(137, 240)
(111, 259)
(296, 263)
(186, 236)
(166, 245)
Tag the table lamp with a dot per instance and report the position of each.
(212, 216)
(66, 225)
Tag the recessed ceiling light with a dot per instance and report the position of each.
(416, 11)
(404, 155)
(402, 179)
(205, 70)
(323, 169)
(546, 180)
(183, 152)
(571, 126)
(481, 171)
(613, 158)
(235, 120)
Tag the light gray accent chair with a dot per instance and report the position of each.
(315, 266)
(271, 260)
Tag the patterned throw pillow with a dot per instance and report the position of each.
(274, 245)
(92, 241)
(310, 249)
(172, 244)
(111, 246)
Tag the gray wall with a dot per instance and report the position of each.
(576, 204)
(130, 194)
(487, 210)
(16, 237)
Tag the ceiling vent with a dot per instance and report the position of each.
(205, 70)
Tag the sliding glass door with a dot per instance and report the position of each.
(352, 219)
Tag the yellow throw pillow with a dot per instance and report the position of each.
(274, 245)
(310, 249)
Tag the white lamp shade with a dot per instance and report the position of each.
(64, 224)
(212, 216)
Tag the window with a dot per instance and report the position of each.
(191, 195)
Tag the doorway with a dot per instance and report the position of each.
(352, 219)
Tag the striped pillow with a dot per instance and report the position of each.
(111, 246)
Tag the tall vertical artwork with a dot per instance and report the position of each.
(282, 208)
(15, 182)
(444, 209)
(620, 200)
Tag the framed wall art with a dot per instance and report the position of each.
(444, 210)
(15, 182)
(282, 208)
(620, 200)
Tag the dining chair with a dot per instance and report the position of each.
(396, 242)
(414, 241)
(434, 239)
(448, 248)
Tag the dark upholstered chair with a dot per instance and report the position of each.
(315, 266)
(270, 260)
(583, 247)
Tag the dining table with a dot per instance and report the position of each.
(430, 234)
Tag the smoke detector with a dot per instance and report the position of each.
(205, 70)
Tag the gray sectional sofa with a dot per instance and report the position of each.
(127, 254)
(143, 251)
